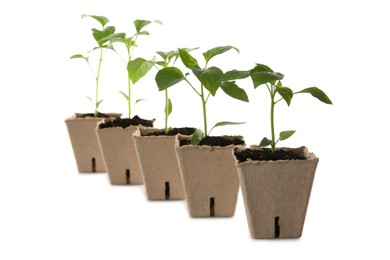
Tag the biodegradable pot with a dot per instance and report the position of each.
(209, 176)
(157, 157)
(81, 129)
(118, 149)
(276, 193)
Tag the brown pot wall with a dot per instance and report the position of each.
(119, 155)
(276, 195)
(210, 179)
(159, 166)
(85, 143)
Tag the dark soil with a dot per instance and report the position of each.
(102, 115)
(173, 131)
(125, 122)
(266, 154)
(221, 141)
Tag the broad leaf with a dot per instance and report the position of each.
(168, 107)
(261, 67)
(187, 59)
(286, 134)
(225, 123)
(262, 77)
(234, 91)
(286, 93)
(124, 95)
(197, 136)
(79, 56)
(210, 78)
(101, 19)
(216, 51)
(139, 24)
(317, 93)
(99, 35)
(265, 142)
(138, 68)
(168, 77)
(235, 74)
(115, 37)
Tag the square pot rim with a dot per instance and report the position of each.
(138, 133)
(76, 117)
(207, 147)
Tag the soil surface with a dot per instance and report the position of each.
(125, 122)
(216, 141)
(173, 131)
(102, 115)
(266, 154)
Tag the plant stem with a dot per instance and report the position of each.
(97, 84)
(129, 95)
(273, 144)
(204, 111)
(166, 111)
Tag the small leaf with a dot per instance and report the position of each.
(286, 93)
(116, 37)
(225, 123)
(231, 89)
(101, 19)
(217, 51)
(139, 24)
(317, 93)
(162, 64)
(197, 136)
(210, 78)
(168, 77)
(124, 95)
(262, 68)
(98, 103)
(235, 74)
(138, 68)
(143, 33)
(100, 35)
(286, 134)
(262, 77)
(89, 98)
(168, 107)
(187, 59)
(138, 100)
(79, 56)
(265, 142)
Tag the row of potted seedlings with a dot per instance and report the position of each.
(188, 163)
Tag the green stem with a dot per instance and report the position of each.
(273, 144)
(166, 111)
(129, 95)
(204, 111)
(97, 84)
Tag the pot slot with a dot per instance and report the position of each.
(127, 176)
(277, 227)
(93, 164)
(167, 190)
(212, 205)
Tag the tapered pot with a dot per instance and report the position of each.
(158, 162)
(118, 149)
(209, 177)
(81, 129)
(276, 193)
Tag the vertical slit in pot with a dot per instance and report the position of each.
(277, 227)
(93, 164)
(167, 191)
(212, 204)
(127, 176)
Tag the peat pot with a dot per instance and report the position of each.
(117, 146)
(81, 129)
(209, 175)
(159, 166)
(276, 192)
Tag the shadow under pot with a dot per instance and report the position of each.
(81, 129)
(209, 175)
(276, 189)
(159, 166)
(118, 149)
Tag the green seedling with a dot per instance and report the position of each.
(136, 68)
(210, 79)
(263, 75)
(102, 45)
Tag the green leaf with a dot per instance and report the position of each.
(115, 37)
(317, 93)
(223, 123)
(138, 100)
(262, 77)
(231, 89)
(197, 136)
(138, 68)
(187, 59)
(216, 51)
(143, 33)
(100, 35)
(98, 103)
(168, 77)
(101, 19)
(139, 24)
(286, 134)
(210, 78)
(261, 67)
(162, 64)
(124, 95)
(79, 56)
(168, 107)
(89, 98)
(235, 74)
(286, 93)
(265, 142)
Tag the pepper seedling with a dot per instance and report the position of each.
(264, 75)
(210, 79)
(100, 37)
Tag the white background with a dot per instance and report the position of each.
(49, 211)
